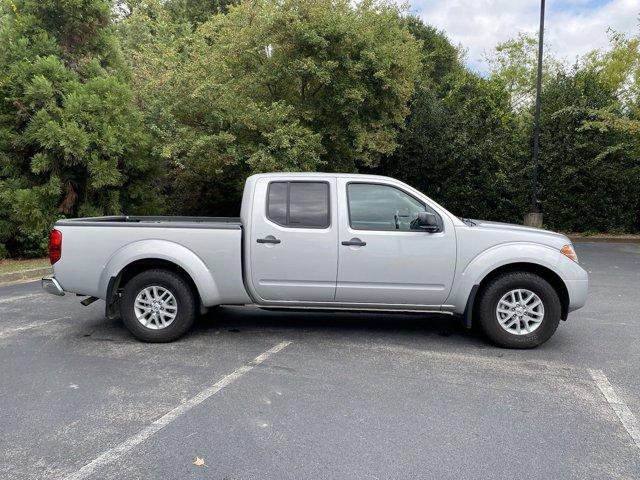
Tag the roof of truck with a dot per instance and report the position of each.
(317, 174)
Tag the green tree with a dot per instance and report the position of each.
(464, 150)
(514, 63)
(71, 138)
(590, 142)
(590, 157)
(461, 143)
(292, 85)
(196, 12)
(439, 58)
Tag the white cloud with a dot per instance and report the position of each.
(572, 27)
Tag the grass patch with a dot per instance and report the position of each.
(11, 265)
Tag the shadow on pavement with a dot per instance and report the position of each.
(358, 324)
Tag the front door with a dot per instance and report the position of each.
(293, 244)
(384, 258)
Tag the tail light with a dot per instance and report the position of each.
(55, 246)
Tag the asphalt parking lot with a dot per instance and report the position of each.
(273, 395)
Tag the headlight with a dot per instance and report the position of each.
(569, 252)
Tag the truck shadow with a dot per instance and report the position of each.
(360, 324)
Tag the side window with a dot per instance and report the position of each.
(299, 204)
(277, 202)
(381, 207)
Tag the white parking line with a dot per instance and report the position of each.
(21, 297)
(11, 331)
(629, 421)
(116, 452)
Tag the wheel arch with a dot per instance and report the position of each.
(544, 272)
(118, 282)
(144, 255)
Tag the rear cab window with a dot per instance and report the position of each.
(299, 204)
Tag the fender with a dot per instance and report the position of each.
(495, 257)
(163, 250)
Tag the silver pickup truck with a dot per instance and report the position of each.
(321, 241)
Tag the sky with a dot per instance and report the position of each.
(572, 27)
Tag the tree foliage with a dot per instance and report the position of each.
(71, 138)
(590, 142)
(590, 137)
(110, 106)
(292, 85)
(461, 144)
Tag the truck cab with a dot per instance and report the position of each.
(348, 240)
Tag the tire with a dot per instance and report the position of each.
(160, 327)
(533, 330)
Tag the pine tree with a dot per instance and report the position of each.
(72, 141)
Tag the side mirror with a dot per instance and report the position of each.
(428, 222)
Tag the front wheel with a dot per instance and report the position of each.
(158, 306)
(519, 310)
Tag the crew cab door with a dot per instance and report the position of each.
(383, 257)
(294, 240)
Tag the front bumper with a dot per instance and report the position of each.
(576, 279)
(51, 285)
(577, 293)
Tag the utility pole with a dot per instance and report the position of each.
(534, 217)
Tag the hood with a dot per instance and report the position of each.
(543, 236)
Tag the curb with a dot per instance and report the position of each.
(33, 274)
(579, 239)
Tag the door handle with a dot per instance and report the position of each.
(354, 242)
(268, 239)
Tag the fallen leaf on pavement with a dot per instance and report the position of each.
(199, 462)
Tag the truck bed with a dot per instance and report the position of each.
(155, 221)
(209, 249)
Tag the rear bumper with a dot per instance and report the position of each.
(51, 285)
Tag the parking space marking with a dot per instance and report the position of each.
(11, 331)
(628, 420)
(116, 452)
(21, 297)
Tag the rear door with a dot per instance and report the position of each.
(384, 257)
(294, 244)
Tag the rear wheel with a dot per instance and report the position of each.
(519, 310)
(158, 306)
